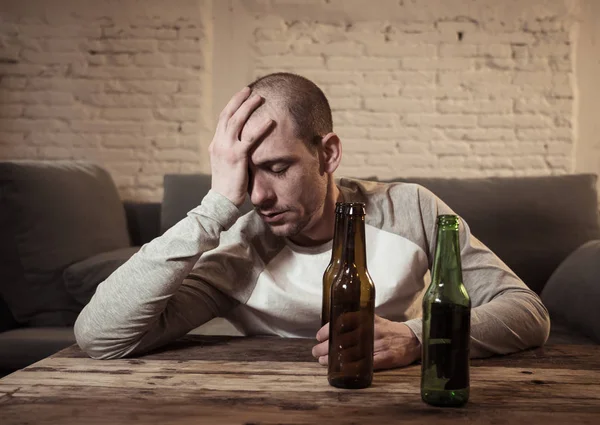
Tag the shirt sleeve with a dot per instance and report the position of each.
(506, 315)
(153, 298)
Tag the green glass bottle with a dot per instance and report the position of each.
(352, 312)
(446, 323)
(333, 268)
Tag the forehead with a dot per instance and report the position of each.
(280, 141)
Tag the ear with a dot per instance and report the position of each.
(331, 152)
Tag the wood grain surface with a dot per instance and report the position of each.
(234, 380)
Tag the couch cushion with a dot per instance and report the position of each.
(531, 223)
(182, 193)
(572, 293)
(82, 278)
(21, 347)
(53, 214)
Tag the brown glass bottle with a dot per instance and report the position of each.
(352, 313)
(333, 268)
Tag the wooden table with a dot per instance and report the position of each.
(233, 380)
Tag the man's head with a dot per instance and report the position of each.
(291, 168)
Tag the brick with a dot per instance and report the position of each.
(529, 161)
(395, 104)
(127, 114)
(537, 79)
(474, 77)
(46, 58)
(551, 50)
(269, 34)
(195, 87)
(532, 65)
(559, 148)
(272, 48)
(428, 64)
(72, 140)
(174, 154)
(27, 125)
(21, 69)
(144, 87)
(364, 64)
(13, 83)
(562, 134)
(451, 162)
(340, 48)
(499, 38)
(150, 59)
(289, 61)
(55, 152)
(345, 103)
(495, 50)
(377, 90)
(178, 114)
(396, 50)
(560, 65)
(405, 147)
(474, 106)
(447, 120)
(479, 134)
(537, 105)
(36, 97)
(193, 60)
(402, 77)
(63, 45)
(187, 45)
(422, 37)
(369, 147)
(156, 128)
(124, 100)
(452, 27)
(59, 31)
(61, 84)
(64, 112)
(496, 121)
(365, 118)
(19, 152)
(14, 139)
(458, 50)
(143, 32)
(341, 90)
(98, 127)
(532, 121)
(504, 148)
(11, 111)
(118, 59)
(445, 147)
(122, 46)
(187, 100)
(434, 92)
(193, 32)
(497, 162)
(333, 77)
(170, 141)
(349, 161)
(529, 148)
(124, 141)
(405, 133)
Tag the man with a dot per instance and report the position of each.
(275, 141)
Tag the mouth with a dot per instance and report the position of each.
(272, 217)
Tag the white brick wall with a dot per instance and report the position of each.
(447, 94)
(427, 87)
(121, 83)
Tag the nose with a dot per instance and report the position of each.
(260, 190)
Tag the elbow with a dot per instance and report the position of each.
(95, 345)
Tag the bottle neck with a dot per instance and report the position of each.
(338, 237)
(446, 264)
(353, 252)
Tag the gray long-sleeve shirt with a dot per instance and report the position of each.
(216, 263)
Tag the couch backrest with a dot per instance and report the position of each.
(531, 223)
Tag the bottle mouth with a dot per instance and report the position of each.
(350, 208)
(447, 220)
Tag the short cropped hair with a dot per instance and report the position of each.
(305, 102)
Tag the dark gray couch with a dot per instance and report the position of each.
(64, 229)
